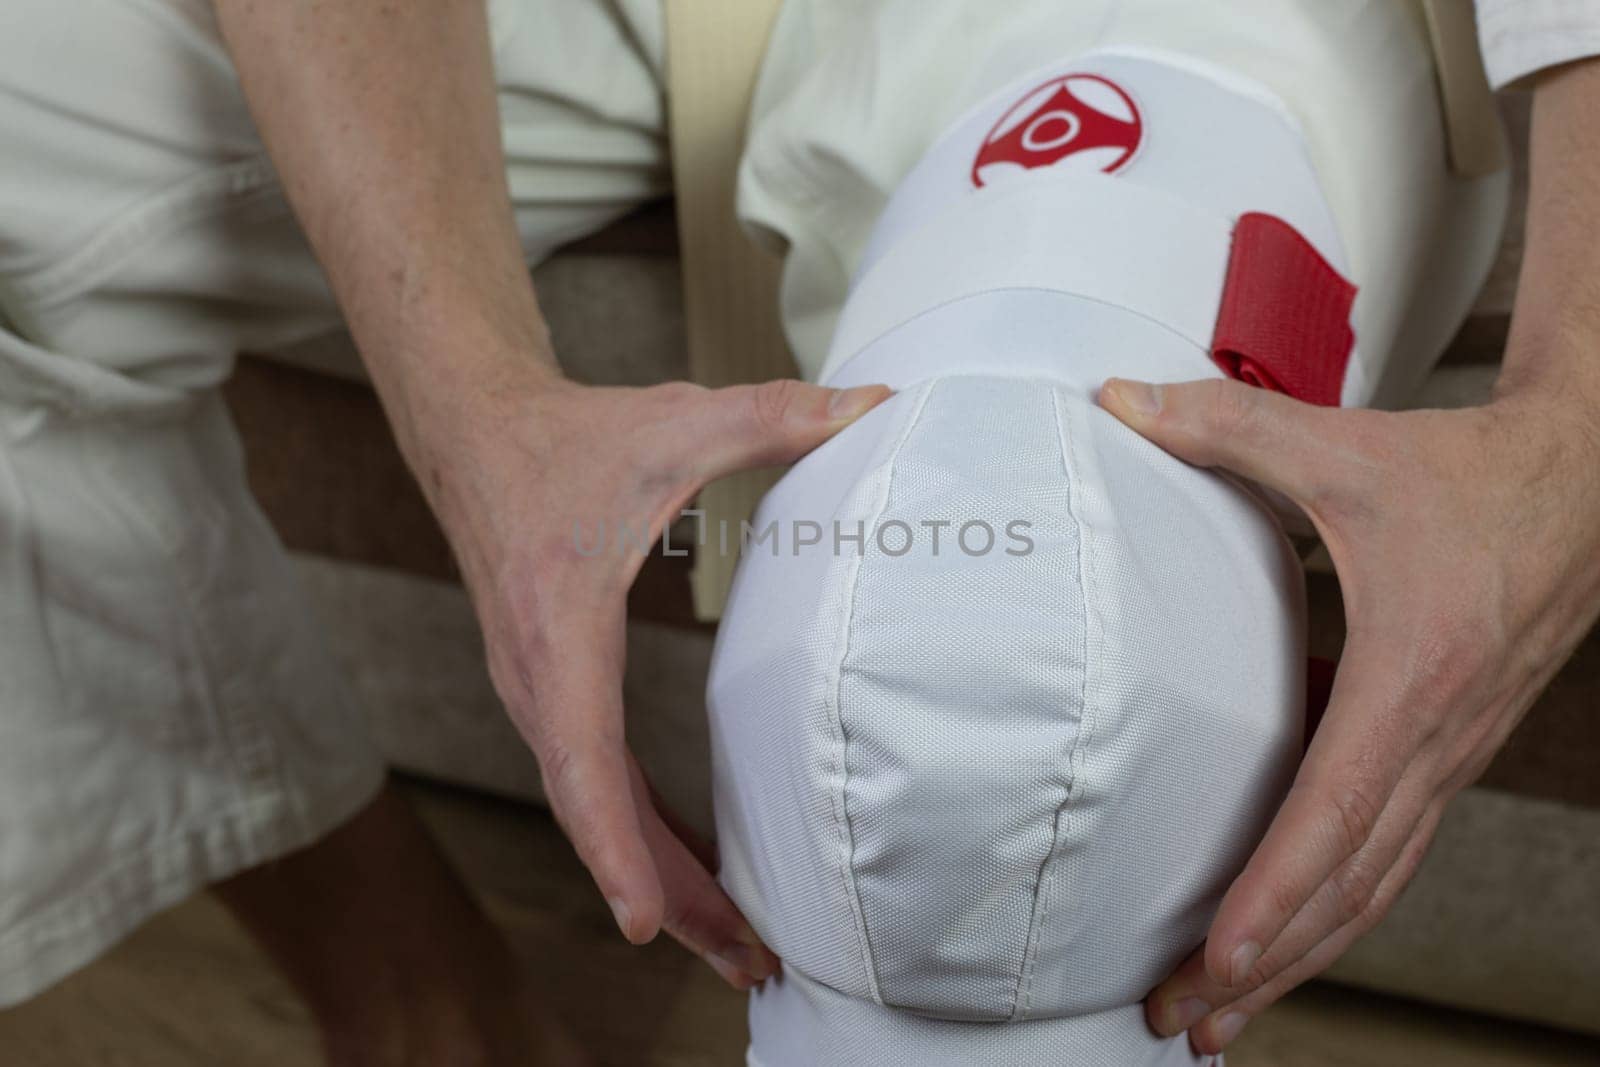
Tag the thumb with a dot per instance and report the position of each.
(1282, 443)
(776, 422)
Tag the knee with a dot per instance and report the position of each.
(987, 787)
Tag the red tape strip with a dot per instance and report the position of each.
(1284, 324)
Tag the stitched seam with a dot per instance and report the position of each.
(260, 837)
(1046, 885)
(252, 747)
(1219, 226)
(247, 184)
(836, 717)
(1511, 15)
(941, 305)
(26, 542)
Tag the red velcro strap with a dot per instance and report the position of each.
(1285, 318)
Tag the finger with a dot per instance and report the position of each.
(698, 914)
(1350, 891)
(1191, 992)
(1282, 443)
(1184, 997)
(586, 783)
(576, 734)
(701, 849)
(1216, 1030)
(1351, 769)
(775, 422)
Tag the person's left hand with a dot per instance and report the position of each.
(1467, 545)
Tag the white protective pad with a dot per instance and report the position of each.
(1008, 695)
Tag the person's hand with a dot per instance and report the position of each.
(1467, 545)
(524, 481)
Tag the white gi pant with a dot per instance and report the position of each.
(166, 715)
(169, 711)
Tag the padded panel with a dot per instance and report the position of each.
(959, 696)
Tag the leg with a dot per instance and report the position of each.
(171, 718)
(959, 789)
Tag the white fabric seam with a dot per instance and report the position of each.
(1521, 38)
(1135, 312)
(49, 925)
(841, 812)
(1217, 239)
(289, 833)
(27, 541)
(255, 754)
(1045, 891)
(231, 187)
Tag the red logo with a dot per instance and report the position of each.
(1081, 120)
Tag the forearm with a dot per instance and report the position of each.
(382, 121)
(1554, 346)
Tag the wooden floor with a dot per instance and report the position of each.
(189, 990)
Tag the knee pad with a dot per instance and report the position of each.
(1004, 695)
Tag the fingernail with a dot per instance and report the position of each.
(847, 404)
(1141, 397)
(1185, 1013)
(731, 972)
(764, 962)
(749, 959)
(624, 917)
(1242, 962)
(1229, 1025)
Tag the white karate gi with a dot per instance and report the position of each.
(167, 715)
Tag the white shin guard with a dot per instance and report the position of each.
(1007, 695)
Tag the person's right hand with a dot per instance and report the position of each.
(383, 126)
(511, 478)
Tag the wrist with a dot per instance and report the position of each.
(441, 357)
(1555, 368)
(449, 410)
(444, 340)
(1548, 409)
